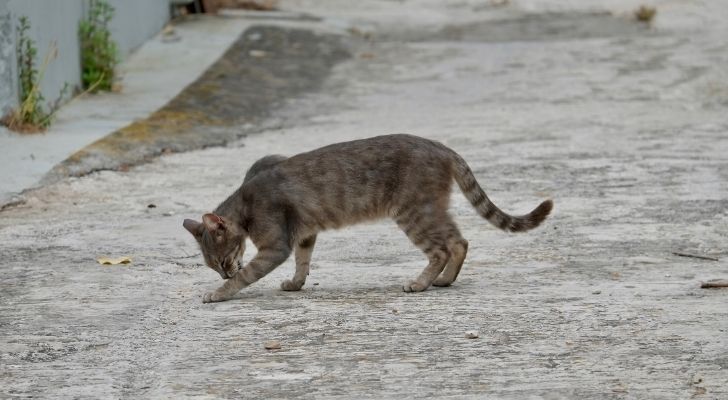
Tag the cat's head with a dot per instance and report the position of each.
(221, 242)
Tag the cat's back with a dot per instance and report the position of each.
(368, 152)
(354, 181)
(368, 168)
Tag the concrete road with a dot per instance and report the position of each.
(623, 125)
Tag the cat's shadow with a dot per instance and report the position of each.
(330, 292)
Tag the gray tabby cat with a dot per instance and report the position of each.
(284, 202)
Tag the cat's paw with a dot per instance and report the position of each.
(290, 286)
(413, 286)
(441, 282)
(212, 297)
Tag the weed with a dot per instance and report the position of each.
(99, 54)
(30, 116)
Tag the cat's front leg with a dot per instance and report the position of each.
(264, 262)
(303, 252)
(224, 292)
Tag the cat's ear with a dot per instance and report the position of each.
(213, 222)
(193, 227)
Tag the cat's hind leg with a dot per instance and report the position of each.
(303, 252)
(429, 232)
(458, 250)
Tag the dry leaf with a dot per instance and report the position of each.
(168, 30)
(114, 261)
(645, 13)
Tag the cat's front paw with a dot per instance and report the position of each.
(212, 297)
(413, 286)
(290, 286)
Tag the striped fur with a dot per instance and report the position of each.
(284, 202)
(486, 209)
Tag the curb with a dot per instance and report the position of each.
(263, 67)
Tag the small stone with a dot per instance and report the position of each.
(151, 205)
(272, 345)
(168, 214)
(471, 334)
(257, 53)
(619, 389)
(597, 292)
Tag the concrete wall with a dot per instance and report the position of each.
(7, 58)
(136, 21)
(52, 20)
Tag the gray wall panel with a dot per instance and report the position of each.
(134, 22)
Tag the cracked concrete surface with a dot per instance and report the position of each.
(626, 132)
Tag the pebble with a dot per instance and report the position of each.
(272, 345)
(471, 334)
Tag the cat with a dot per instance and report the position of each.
(284, 202)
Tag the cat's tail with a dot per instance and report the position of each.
(477, 197)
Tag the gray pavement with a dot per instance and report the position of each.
(624, 128)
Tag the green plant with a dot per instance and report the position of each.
(27, 72)
(99, 54)
(31, 116)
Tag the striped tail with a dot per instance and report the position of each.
(477, 197)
